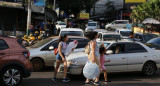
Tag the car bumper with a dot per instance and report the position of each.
(74, 69)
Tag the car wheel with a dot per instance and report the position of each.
(149, 68)
(11, 76)
(37, 64)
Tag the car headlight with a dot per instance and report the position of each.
(72, 62)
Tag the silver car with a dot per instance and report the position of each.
(41, 56)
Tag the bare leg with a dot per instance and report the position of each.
(65, 69)
(105, 75)
(87, 80)
(97, 79)
(58, 62)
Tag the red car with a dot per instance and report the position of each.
(14, 62)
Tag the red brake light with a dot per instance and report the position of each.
(26, 54)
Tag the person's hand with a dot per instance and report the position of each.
(93, 60)
(72, 49)
(63, 59)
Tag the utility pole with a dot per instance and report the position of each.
(54, 7)
(29, 15)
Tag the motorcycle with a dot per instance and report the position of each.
(28, 40)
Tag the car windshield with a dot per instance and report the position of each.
(125, 33)
(62, 23)
(72, 33)
(41, 43)
(154, 41)
(147, 37)
(91, 24)
(111, 37)
(20, 43)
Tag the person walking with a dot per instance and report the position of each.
(93, 55)
(60, 58)
(102, 51)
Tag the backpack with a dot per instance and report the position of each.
(87, 48)
(55, 51)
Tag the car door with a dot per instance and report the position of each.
(136, 54)
(4, 51)
(118, 61)
(50, 58)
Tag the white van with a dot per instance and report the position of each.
(117, 24)
(91, 26)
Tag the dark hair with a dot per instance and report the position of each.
(62, 38)
(91, 35)
(101, 50)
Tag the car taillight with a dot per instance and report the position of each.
(26, 54)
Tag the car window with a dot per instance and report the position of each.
(91, 24)
(41, 43)
(134, 48)
(154, 41)
(54, 44)
(111, 37)
(117, 48)
(140, 37)
(3, 45)
(136, 36)
(72, 33)
(81, 42)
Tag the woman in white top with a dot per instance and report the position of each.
(94, 54)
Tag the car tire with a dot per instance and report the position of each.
(11, 76)
(149, 68)
(37, 64)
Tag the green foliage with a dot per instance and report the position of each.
(150, 9)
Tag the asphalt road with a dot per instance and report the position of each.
(118, 79)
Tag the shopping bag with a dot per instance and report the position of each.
(70, 47)
(91, 70)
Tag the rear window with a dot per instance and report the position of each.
(91, 24)
(20, 43)
(111, 37)
(41, 43)
(72, 33)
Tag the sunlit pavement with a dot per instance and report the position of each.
(118, 79)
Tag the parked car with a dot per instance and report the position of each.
(41, 56)
(60, 25)
(132, 57)
(71, 32)
(109, 36)
(154, 43)
(14, 62)
(91, 26)
(124, 32)
(117, 24)
(144, 37)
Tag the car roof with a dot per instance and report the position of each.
(111, 33)
(121, 20)
(93, 22)
(57, 37)
(100, 30)
(118, 41)
(71, 29)
(124, 30)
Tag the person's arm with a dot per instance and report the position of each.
(60, 53)
(93, 50)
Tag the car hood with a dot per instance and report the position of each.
(80, 58)
(62, 25)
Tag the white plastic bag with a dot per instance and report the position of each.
(70, 47)
(91, 70)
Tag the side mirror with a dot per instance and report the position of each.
(109, 52)
(51, 48)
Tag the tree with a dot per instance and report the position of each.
(150, 9)
(75, 6)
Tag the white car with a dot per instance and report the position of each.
(117, 24)
(91, 26)
(71, 32)
(60, 25)
(124, 32)
(132, 57)
(100, 30)
(104, 36)
(41, 56)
